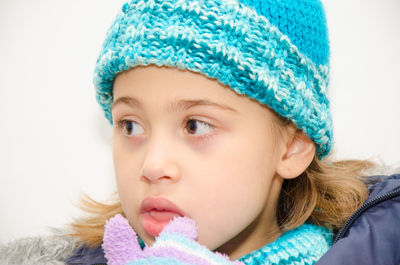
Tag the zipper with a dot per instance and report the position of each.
(362, 209)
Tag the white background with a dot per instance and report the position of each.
(56, 143)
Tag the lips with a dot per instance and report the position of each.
(156, 213)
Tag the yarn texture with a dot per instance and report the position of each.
(303, 245)
(274, 51)
(176, 245)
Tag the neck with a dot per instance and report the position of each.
(250, 239)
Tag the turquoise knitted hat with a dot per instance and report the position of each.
(274, 51)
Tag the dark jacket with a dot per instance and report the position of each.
(370, 236)
(87, 256)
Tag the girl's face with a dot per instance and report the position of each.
(184, 144)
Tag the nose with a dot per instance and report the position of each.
(159, 164)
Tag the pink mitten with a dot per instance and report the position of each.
(175, 245)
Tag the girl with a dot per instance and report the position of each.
(220, 113)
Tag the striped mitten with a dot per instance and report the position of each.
(175, 245)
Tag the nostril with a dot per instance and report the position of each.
(165, 177)
(156, 179)
(153, 172)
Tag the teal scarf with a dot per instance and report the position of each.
(303, 245)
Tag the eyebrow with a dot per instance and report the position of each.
(132, 102)
(182, 104)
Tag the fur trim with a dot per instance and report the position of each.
(381, 169)
(41, 250)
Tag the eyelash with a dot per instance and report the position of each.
(121, 123)
(203, 137)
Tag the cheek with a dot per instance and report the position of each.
(126, 170)
(233, 191)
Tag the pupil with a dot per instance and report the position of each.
(192, 125)
(129, 127)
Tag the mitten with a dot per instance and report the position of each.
(176, 245)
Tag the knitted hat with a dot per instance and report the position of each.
(274, 51)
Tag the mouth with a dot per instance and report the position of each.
(156, 213)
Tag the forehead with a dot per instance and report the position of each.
(175, 89)
(172, 84)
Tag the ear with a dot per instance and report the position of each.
(297, 154)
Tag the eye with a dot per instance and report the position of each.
(193, 126)
(130, 128)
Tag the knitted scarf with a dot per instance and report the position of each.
(303, 245)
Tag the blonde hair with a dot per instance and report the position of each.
(326, 194)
